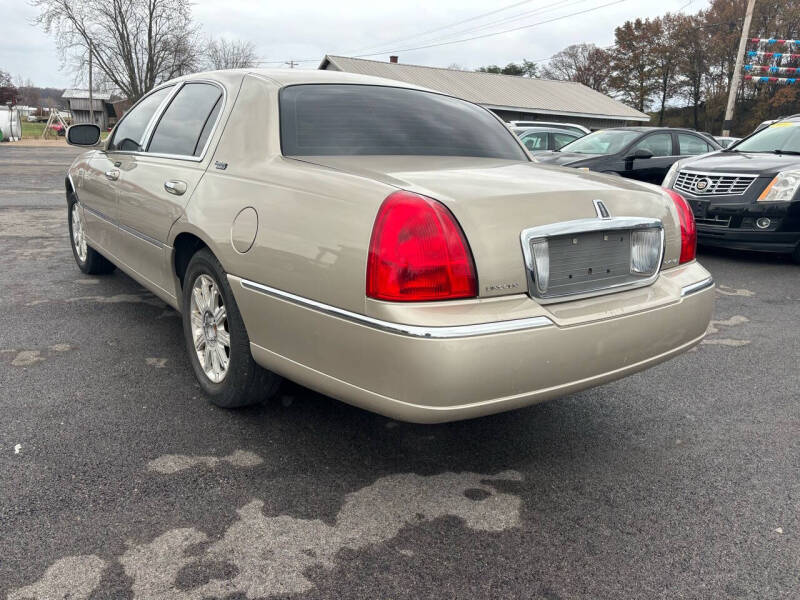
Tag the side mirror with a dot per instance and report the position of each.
(641, 153)
(85, 135)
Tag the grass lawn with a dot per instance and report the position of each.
(30, 130)
(34, 130)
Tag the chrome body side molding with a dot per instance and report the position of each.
(697, 287)
(431, 332)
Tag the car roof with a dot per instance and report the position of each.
(648, 128)
(529, 128)
(286, 77)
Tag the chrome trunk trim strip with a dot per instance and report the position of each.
(586, 226)
(454, 331)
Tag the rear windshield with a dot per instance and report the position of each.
(358, 120)
(782, 136)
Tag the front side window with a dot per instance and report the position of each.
(660, 144)
(783, 136)
(359, 120)
(606, 141)
(691, 145)
(184, 127)
(129, 135)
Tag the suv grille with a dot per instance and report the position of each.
(709, 184)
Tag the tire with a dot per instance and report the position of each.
(89, 260)
(240, 381)
(796, 254)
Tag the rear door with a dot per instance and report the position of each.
(690, 144)
(156, 184)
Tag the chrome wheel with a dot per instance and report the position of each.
(78, 234)
(209, 320)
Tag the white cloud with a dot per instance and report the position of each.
(309, 30)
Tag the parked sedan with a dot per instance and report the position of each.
(748, 196)
(643, 153)
(541, 139)
(386, 245)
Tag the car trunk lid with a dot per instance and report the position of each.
(495, 200)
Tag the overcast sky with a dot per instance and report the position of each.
(308, 30)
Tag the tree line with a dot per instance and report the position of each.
(679, 67)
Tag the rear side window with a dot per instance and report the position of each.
(358, 120)
(129, 134)
(186, 124)
(691, 145)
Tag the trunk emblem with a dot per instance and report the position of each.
(601, 210)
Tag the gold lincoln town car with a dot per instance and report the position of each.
(386, 245)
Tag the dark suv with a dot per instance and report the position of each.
(748, 195)
(643, 153)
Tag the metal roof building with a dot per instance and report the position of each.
(78, 101)
(511, 98)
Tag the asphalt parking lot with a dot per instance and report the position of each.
(119, 480)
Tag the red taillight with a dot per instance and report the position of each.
(688, 229)
(418, 252)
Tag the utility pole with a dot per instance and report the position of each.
(291, 63)
(91, 95)
(737, 72)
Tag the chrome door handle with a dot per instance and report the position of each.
(175, 187)
(112, 175)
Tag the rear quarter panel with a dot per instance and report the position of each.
(314, 223)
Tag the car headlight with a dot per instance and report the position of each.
(672, 174)
(782, 188)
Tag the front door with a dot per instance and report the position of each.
(155, 185)
(97, 193)
(653, 169)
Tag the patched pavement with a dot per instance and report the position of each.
(119, 480)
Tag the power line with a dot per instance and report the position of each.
(486, 35)
(424, 33)
(518, 16)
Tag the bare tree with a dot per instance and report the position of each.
(136, 44)
(230, 54)
(8, 91)
(584, 63)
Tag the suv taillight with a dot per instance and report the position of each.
(688, 228)
(418, 252)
